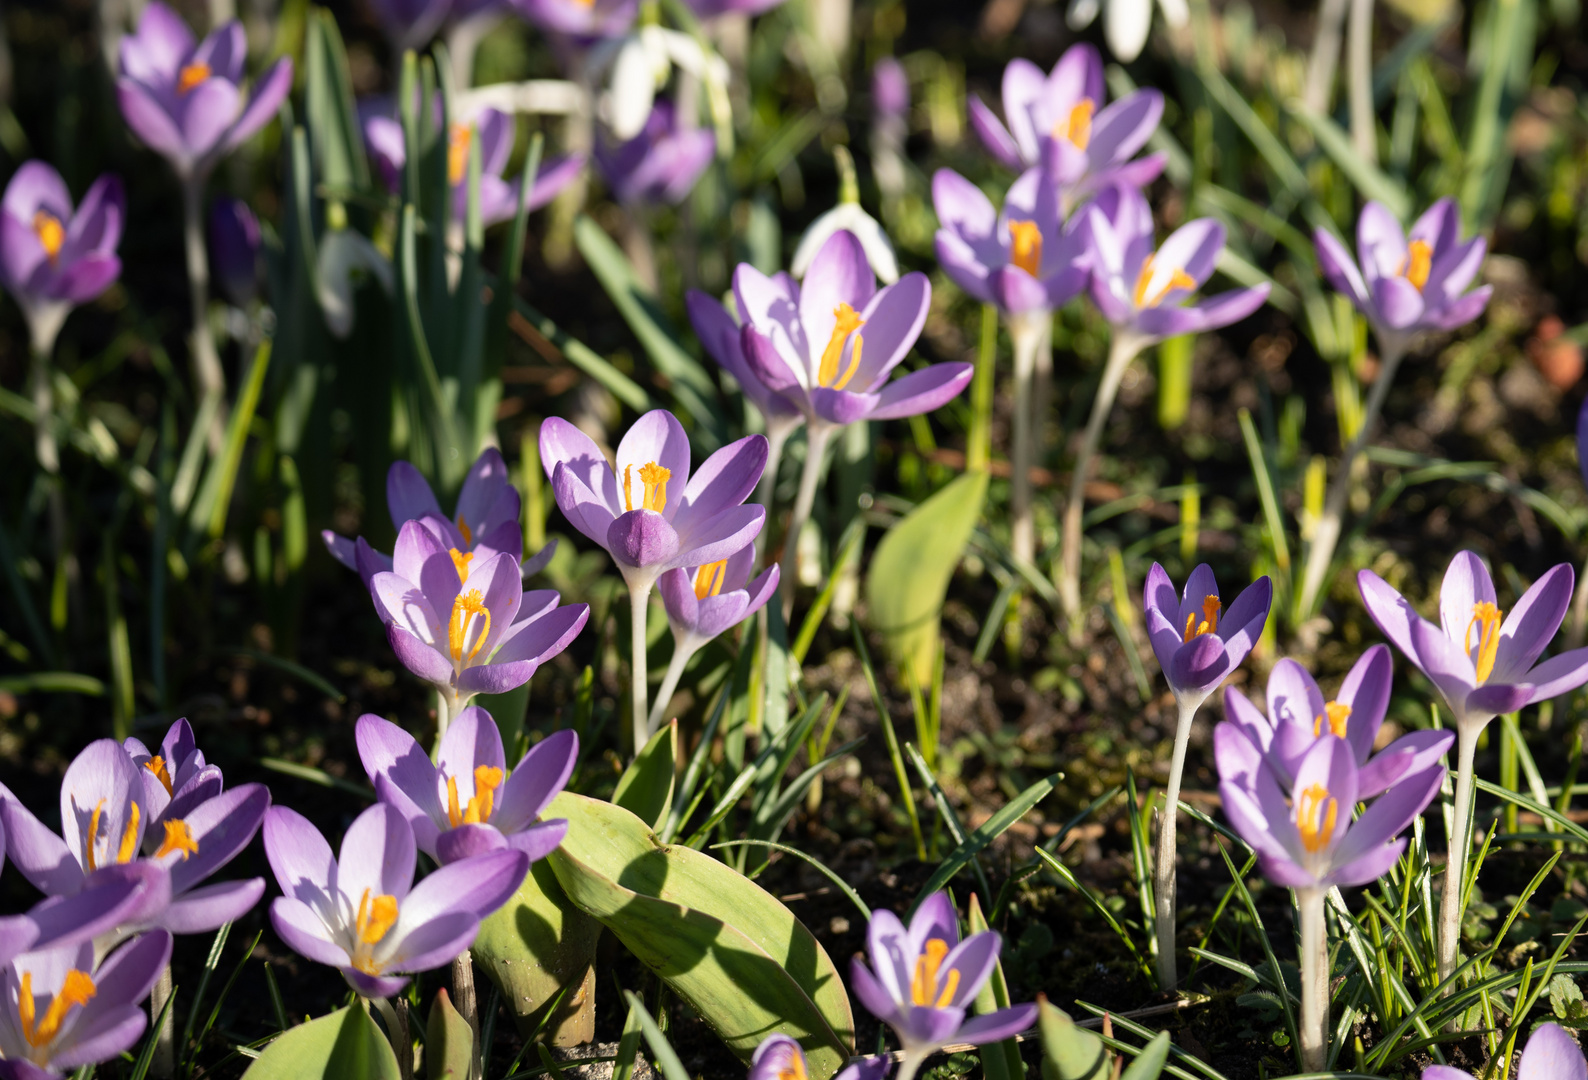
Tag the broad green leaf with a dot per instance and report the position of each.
(343, 1044)
(533, 947)
(646, 787)
(449, 1041)
(1068, 1052)
(999, 1060)
(727, 947)
(910, 572)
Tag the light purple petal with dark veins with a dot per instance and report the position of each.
(299, 857)
(839, 274)
(893, 321)
(222, 827)
(585, 511)
(1389, 611)
(725, 479)
(297, 924)
(38, 852)
(641, 538)
(377, 854)
(720, 537)
(1532, 623)
(655, 437)
(538, 777)
(419, 657)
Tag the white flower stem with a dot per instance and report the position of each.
(816, 436)
(1026, 332)
(1124, 349)
(1163, 863)
(1359, 70)
(909, 1065)
(1320, 553)
(208, 378)
(1314, 980)
(683, 649)
(464, 1000)
(639, 610)
(164, 1062)
(1460, 843)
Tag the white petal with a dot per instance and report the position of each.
(873, 241)
(343, 252)
(1175, 12)
(1081, 13)
(1125, 25)
(633, 90)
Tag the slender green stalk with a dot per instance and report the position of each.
(978, 447)
(164, 1062)
(1314, 981)
(639, 610)
(208, 378)
(816, 436)
(1460, 843)
(1026, 332)
(1163, 863)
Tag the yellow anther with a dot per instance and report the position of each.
(1335, 715)
(795, 1069)
(708, 579)
(459, 136)
(487, 778)
(1025, 249)
(924, 985)
(178, 837)
(51, 233)
(375, 917)
(847, 323)
(460, 559)
(468, 533)
(91, 841)
(156, 765)
(464, 609)
(192, 76)
(1419, 260)
(1313, 804)
(1486, 617)
(654, 478)
(1178, 279)
(76, 990)
(129, 837)
(1210, 619)
(1077, 124)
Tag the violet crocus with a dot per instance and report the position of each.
(1060, 123)
(780, 1057)
(580, 19)
(1308, 842)
(1298, 716)
(1551, 1054)
(659, 165)
(234, 249)
(175, 780)
(702, 602)
(1483, 662)
(60, 1011)
(628, 511)
(464, 623)
(485, 522)
(105, 817)
(468, 802)
(360, 911)
(925, 978)
(1198, 643)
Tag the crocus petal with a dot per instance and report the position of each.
(877, 1000)
(156, 50)
(1366, 690)
(419, 657)
(1237, 757)
(1530, 625)
(585, 511)
(842, 407)
(149, 120)
(641, 538)
(539, 639)
(198, 911)
(466, 841)
(1023, 85)
(1370, 866)
(541, 839)
(377, 854)
(1466, 584)
(206, 113)
(408, 493)
(1338, 268)
(725, 479)
(1398, 303)
(839, 274)
(1406, 756)
(222, 827)
(994, 136)
(1388, 815)
(1389, 611)
(1380, 242)
(997, 1025)
(38, 852)
(973, 959)
(1551, 1054)
(657, 437)
(299, 857)
(115, 1029)
(922, 391)
(539, 776)
(475, 887)
(304, 932)
(86, 278)
(1199, 665)
(893, 322)
(1556, 676)
(270, 92)
(719, 538)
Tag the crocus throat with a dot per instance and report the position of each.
(1486, 617)
(1419, 260)
(487, 778)
(827, 371)
(654, 478)
(178, 838)
(708, 579)
(461, 560)
(1077, 124)
(1025, 246)
(1210, 619)
(1177, 279)
(374, 920)
(1334, 716)
(192, 76)
(464, 609)
(76, 990)
(795, 1069)
(458, 139)
(156, 765)
(51, 233)
(1316, 810)
(924, 985)
(129, 837)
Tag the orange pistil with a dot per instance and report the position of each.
(795, 1069)
(1077, 124)
(51, 233)
(76, 990)
(848, 322)
(156, 765)
(464, 609)
(708, 579)
(1335, 716)
(654, 478)
(1486, 617)
(129, 837)
(924, 985)
(461, 560)
(374, 920)
(1316, 803)
(179, 838)
(468, 533)
(1210, 619)
(487, 778)
(458, 139)
(1419, 260)
(192, 76)
(1178, 279)
(1025, 249)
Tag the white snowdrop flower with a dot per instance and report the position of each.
(873, 241)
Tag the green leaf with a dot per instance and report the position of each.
(662, 1052)
(535, 947)
(987, 832)
(727, 947)
(328, 105)
(345, 1043)
(1149, 1063)
(449, 1041)
(1068, 1052)
(999, 1060)
(646, 787)
(1368, 178)
(585, 358)
(628, 1043)
(911, 569)
(54, 682)
(215, 497)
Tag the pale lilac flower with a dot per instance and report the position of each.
(780, 1057)
(175, 780)
(662, 163)
(581, 19)
(703, 601)
(719, 334)
(1551, 1054)
(1197, 642)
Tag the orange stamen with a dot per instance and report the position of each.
(848, 322)
(1487, 619)
(464, 609)
(375, 917)
(1313, 803)
(92, 840)
(461, 561)
(129, 837)
(655, 478)
(1210, 619)
(1335, 715)
(1419, 260)
(708, 579)
(468, 533)
(924, 984)
(77, 989)
(192, 76)
(178, 837)
(1026, 246)
(1077, 124)
(1178, 279)
(51, 233)
(458, 140)
(156, 765)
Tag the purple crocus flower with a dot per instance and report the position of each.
(661, 163)
(580, 18)
(926, 978)
(1298, 716)
(463, 624)
(1482, 661)
(1142, 292)
(1197, 642)
(711, 9)
(1405, 284)
(186, 101)
(1551, 1054)
(1059, 122)
(780, 1057)
(105, 816)
(467, 802)
(1024, 259)
(719, 334)
(1309, 841)
(485, 524)
(234, 249)
(59, 1011)
(383, 135)
(360, 912)
(52, 257)
(831, 345)
(175, 780)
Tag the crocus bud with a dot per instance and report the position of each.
(890, 88)
(234, 249)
